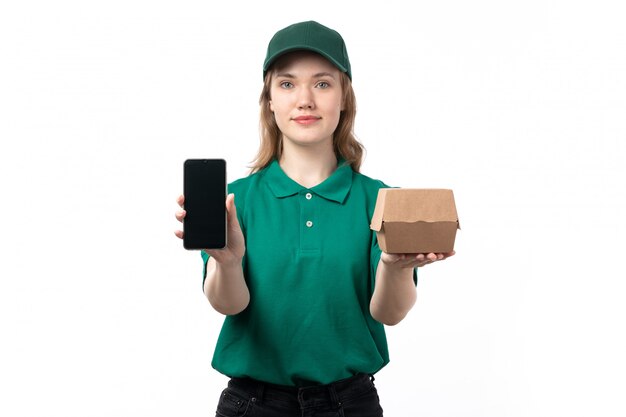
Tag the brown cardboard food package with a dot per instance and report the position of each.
(409, 220)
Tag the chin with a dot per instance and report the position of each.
(310, 142)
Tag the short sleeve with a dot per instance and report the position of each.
(375, 254)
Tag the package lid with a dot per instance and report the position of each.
(411, 205)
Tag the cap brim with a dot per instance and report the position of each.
(285, 51)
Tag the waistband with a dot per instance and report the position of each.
(309, 396)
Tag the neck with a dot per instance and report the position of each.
(308, 166)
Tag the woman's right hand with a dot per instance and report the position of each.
(235, 248)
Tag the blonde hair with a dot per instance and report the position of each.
(345, 144)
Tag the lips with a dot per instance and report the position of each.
(306, 120)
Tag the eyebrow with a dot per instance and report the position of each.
(318, 75)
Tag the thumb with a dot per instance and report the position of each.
(231, 208)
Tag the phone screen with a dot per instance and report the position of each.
(204, 187)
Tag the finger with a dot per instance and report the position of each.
(431, 257)
(179, 233)
(180, 215)
(420, 260)
(181, 200)
(442, 256)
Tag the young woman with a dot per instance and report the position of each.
(303, 283)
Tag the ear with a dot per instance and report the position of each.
(271, 106)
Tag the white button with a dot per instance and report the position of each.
(308, 196)
(309, 223)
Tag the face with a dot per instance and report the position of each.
(306, 98)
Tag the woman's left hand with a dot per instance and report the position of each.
(413, 260)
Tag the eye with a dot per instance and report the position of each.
(286, 84)
(323, 85)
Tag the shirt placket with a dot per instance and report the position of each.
(308, 220)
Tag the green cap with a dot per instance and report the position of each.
(309, 36)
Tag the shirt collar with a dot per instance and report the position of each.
(335, 187)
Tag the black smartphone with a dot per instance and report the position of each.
(205, 191)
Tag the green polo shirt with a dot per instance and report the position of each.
(310, 266)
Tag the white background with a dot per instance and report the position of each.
(518, 106)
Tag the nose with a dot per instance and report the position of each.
(305, 99)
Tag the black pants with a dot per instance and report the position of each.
(352, 397)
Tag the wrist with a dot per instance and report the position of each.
(395, 271)
(230, 265)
